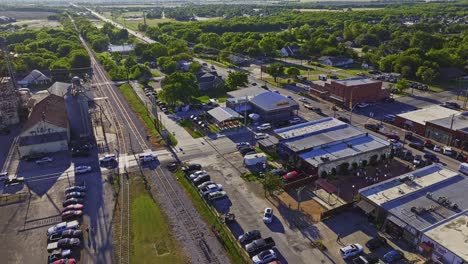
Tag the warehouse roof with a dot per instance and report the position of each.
(59, 88)
(246, 92)
(457, 122)
(452, 234)
(424, 115)
(271, 101)
(51, 110)
(121, 48)
(406, 184)
(355, 81)
(222, 114)
(437, 202)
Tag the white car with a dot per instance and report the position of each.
(146, 157)
(261, 136)
(362, 105)
(351, 250)
(447, 151)
(268, 215)
(437, 148)
(211, 188)
(295, 120)
(304, 100)
(263, 127)
(44, 160)
(242, 144)
(265, 256)
(82, 169)
(196, 174)
(203, 185)
(4, 176)
(108, 158)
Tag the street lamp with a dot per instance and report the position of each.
(353, 192)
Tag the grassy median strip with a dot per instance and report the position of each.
(152, 240)
(140, 109)
(234, 251)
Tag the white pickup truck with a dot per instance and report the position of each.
(58, 228)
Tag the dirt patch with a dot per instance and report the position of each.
(307, 206)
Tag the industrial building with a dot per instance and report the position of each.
(9, 102)
(273, 107)
(47, 129)
(348, 92)
(416, 120)
(322, 145)
(239, 99)
(451, 130)
(411, 204)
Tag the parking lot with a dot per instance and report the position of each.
(26, 219)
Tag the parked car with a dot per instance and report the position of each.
(392, 256)
(389, 118)
(418, 146)
(316, 110)
(197, 174)
(278, 172)
(437, 148)
(292, 175)
(146, 158)
(372, 126)
(201, 179)
(54, 237)
(70, 233)
(72, 201)
(259, 245)
(343, 119)
(216, 195)
(82, 169)
(71, 214)
(76, 188)
(263, 127)
(58, 228)
(65, 261)
(68, 242)
(203, 185)
(447, 151)
(351, 250)
(376, 242)
(417, 161)
(362, 105)
(264, 257)
(13, 181)
(73, 207)
(108, 158)
(261, 135)
(249, 236)
(58, 254)
(172, 166)
(368, 259)
(211, 188)
(191, 167)
(304, 100)
(242, 144)
(392, 136)
(431, 157)
(44, 160)
(295, 120)
(268, 215)
(75, 195)
(4, 176)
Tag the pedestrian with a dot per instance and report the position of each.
(338, 238)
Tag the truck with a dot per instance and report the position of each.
(58, 228)
(259, 245)
(254, 159)
(463, 168)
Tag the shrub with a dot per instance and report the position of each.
(383, 157)
(333, 171)
(354, 165)
(343, 168)
(324, 174)
(364, 163)
(373, 159)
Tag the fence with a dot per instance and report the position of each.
(336, 210)
(11, 198)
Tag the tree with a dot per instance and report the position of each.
(293, 71)
(268, 45)
(275, 70)
(272, 183)
(211, 40)
(236, 79)
(179, 86)
(426, 74)
(79, 59)
(401, 85)
(195, 67)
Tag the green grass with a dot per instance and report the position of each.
(140, 109)
(217, 63)
(234, 251)
(152, 240)
(206, 98)
(249, 177)
(155, 73)
(188, 126)
(213, 128)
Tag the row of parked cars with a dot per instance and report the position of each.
(209, 189)
(64, 238)
(356, 252)
(259, 249)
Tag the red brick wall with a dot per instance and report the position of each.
(416, 127)
(359, 93)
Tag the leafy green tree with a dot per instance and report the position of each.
(211, 40)
(426, 74)
(179, 86)
(158, 50)
(195, 67)
(275, 70)
(367, 39)
(268, 45)
(272, 184)
(401, 85)
(236, 79)
(198, 48)
(79, 59)
(293, 71)
(100, 44)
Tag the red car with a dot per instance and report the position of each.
(73, 207)
(65, 261)
(72, 214)
(292, 175)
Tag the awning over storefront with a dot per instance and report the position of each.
(396, 221)
(365, 206)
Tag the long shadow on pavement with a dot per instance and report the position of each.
(276, 225)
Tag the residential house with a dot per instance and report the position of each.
(208, 80)
(336, 61)
(290, 51)
(35, 77)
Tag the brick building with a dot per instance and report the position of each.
(451, 130)
(349, 92)
(416, 120)
(9, 102)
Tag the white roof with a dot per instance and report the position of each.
(453, 235)
(428, 114)
(35, 75)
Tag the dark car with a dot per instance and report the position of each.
(68, 242)
(368, 259)
(172, 166)
(70, 233)
(249, 236)
(246, 150)
(75, 195)
(72, 214)
(201, 179)
(343, 119)
(373, 127)
(191, 167)
(278, 172)
(72, 201)
(376, 242)
(392, 136)
(392, 256)
(431, 157)
(13, 181)
(418, 146)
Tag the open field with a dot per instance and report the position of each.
(151, 234)
(38, 24)
(29, 15)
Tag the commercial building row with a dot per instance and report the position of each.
(426, 208)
